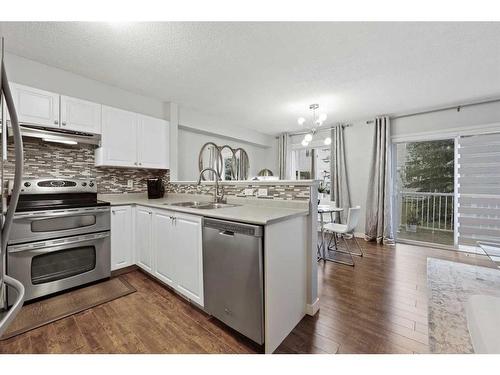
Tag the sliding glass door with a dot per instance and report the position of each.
(425, 192)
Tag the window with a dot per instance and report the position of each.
(312, 163)
(425, 196)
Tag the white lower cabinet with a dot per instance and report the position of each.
(163, 247)
(187, 256)
(143, 238)
(122, 248)
(168, 245)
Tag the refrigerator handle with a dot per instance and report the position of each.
(14, 310)
(19, 164)
(19, 160)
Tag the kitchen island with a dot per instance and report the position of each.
(288, 249)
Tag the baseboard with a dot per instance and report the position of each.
(124, 270)
(169, 288)
(312, 309)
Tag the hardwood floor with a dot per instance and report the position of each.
(378, 306)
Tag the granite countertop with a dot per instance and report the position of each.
(450, 284)
(249, 210)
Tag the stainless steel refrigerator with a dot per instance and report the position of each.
(9, 199)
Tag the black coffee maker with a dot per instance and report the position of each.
(155, 188)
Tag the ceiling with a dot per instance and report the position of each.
(264, 75)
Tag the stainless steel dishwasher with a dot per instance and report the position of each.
(233, 275)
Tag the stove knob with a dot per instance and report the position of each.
(84, 184)
(91, 184)
(27, 184)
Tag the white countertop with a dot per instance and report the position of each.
(249, 210)
(253, 182)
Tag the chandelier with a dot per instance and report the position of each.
(313, 126)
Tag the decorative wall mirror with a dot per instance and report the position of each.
(210, 157)
(228, 171)
(242, 164)
(231, 164)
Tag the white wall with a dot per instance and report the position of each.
(359, 141)
(32, 73)
(259, 146)
(192, 118)
(191, 142)
(440, 121)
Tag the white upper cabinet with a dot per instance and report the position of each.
(80, 115)
(152, 141)
(128, 139)
(47, 109)
(132, 140)
(36, 107)
(119, 138)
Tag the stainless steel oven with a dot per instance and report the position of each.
(43, 225)
(45, 267)
(59, 237)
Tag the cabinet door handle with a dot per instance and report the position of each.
(56, 122)
(64, 123)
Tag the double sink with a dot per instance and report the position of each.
(201, 205)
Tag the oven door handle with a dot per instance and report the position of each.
(34, 246)
(34, 217)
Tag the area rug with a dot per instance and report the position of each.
(42, 312)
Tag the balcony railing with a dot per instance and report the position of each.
(430, 211)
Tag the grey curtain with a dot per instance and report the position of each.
(378, 225)
(339, 179)
(283, 156)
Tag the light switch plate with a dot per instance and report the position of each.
(262, 192)
(130, 183)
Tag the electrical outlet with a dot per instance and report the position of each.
(248, 192)
(262, 192)
(130, 183)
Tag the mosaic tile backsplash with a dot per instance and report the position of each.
(43, 159)
(279, 192)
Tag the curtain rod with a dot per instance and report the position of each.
(300, 132)
(457, 107)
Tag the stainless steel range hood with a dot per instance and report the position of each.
(57, 135)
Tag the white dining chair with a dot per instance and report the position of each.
(345, 229)
(322, 220)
